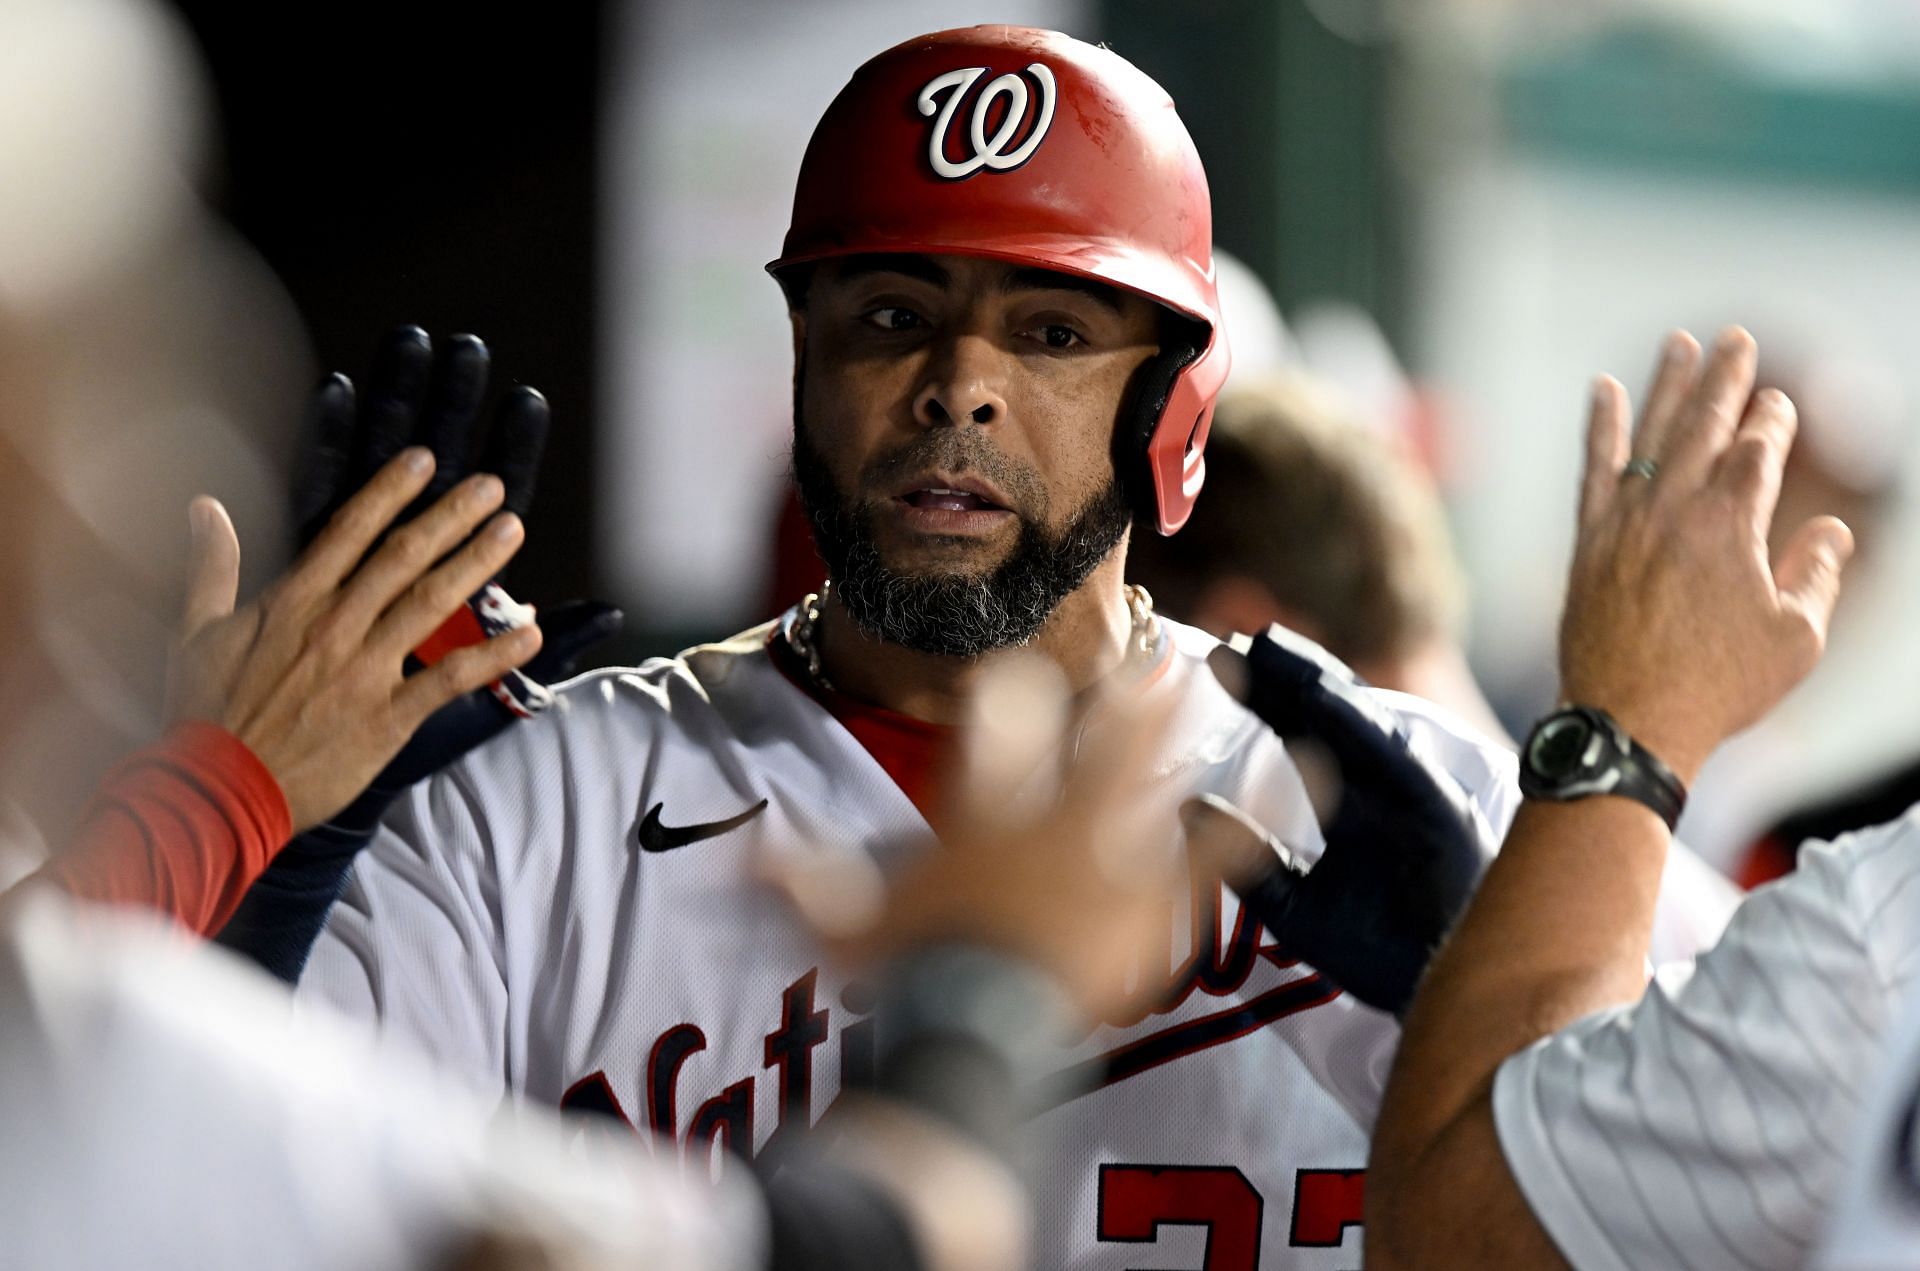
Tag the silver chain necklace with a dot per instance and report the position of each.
(802, 639)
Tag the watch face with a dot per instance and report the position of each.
(1559, 747)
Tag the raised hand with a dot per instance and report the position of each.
(410, 397)
(1064, 856)
(1677, 622)
(311, 674)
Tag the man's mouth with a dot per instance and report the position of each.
(953, 492)
(949, 500)
(946, 504)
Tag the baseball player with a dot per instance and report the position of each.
(1007, 346)
(1708, 1121)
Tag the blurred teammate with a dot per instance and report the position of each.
(1007, 347)
(1314, 522)
(121, 299)
(1543, 1109)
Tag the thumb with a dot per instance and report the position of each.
(1227, 843)
(1808, 575)
(213, 570)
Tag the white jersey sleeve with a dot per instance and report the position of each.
(163, 1109)
(1707, 1124)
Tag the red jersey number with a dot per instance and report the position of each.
(1136, 1200)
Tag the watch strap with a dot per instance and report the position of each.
(1621, 767)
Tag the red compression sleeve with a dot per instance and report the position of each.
(183, 826)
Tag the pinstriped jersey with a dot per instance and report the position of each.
(1709, 1125)
(529, 917)
(1875, 1224)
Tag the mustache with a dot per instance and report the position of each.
(961, 452)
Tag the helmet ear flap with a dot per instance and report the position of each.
(1144, 406)
(794, 282)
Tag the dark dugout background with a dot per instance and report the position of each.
(429, 162)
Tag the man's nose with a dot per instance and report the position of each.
(964, 385)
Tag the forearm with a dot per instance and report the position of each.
(183, 826)
(1456, 1206)
(1559, 930)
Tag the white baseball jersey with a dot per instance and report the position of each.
(1875, 1225)
(568, 916)
(1707, 1125)
(163, 1110)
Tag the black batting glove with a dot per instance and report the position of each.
(1404, 846)
(412, 398)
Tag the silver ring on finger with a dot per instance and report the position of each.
(1640, 467)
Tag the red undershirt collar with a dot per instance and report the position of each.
(911, 751)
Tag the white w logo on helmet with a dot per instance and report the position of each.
(988, 152)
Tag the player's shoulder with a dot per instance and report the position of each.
(709, 699)
(1212, 723)
(656, 681)
(705, 680)
(1896, 841)
(1444, 736)
(1480, 763)
(1864, 870)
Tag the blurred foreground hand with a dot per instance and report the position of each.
(1056, 845)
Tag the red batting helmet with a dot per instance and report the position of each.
(1031, 146)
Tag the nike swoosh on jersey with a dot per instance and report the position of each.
(655, 837)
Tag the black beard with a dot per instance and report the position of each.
(952, 614)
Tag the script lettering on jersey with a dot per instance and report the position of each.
(726, 1120)
(1217, 964)
(683, 1099)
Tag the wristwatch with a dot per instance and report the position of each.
(1581, 751)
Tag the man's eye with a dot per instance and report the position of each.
(1055, 336)
(893, 318)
